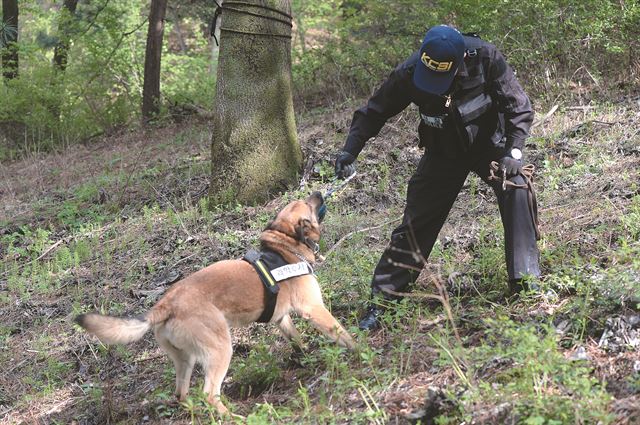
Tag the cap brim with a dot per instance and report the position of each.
(432, 82)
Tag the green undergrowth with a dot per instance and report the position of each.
(494, 355)
(533, 376)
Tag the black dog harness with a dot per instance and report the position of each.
(272, 269)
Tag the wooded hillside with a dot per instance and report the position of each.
(105, 204)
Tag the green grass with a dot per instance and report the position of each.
(539, 382)
(90, 252)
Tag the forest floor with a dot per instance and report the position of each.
(110, 225)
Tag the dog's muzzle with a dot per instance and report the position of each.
(321, 209)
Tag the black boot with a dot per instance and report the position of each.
(371, 320)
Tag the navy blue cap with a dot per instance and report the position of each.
(441, 54)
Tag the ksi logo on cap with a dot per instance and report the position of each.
(441, 53)
(435, 65)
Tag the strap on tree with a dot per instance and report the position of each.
(226, 6)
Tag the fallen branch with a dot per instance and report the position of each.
(546, 116)
(157, 356)
(51, 248)
(348, 235)
(442, 298)
(579, 108)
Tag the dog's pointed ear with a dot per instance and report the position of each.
(301, 228)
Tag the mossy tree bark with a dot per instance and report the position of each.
(255, 150)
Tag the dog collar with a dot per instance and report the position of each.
(313, 245)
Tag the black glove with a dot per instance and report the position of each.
(512, 166)
(344, 165)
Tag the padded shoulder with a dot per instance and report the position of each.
(473, 43)
(410, 64)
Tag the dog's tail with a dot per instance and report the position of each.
(121, 330)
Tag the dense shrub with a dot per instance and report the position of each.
(101, 88)
(549, 42)
(341, 49)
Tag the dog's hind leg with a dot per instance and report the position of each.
(183, 362)
(324, 321)
(213, 337)
(215, 371)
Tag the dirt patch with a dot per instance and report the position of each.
(53, 175)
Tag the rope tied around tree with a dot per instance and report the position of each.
(226, 6)
(527, 174)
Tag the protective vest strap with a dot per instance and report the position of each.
(272, 269)
(270, 287)
(473, 43)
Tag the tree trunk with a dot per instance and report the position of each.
(254, 147)
(301, 30)
(10, 55)
(151, 86)
(61, 54)
(61, 50)
(178, 30)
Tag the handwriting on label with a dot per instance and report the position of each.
(290, 270)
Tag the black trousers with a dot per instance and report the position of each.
(431, 193)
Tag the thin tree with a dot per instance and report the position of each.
(152, 60)
(254, 147)
(61, 51)
(10, 38)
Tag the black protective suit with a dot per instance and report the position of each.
(485, 115)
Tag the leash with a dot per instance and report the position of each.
(527, 174)
(329, 193)
(335, 188)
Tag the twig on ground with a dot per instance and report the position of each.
(348, 235)
(17, 366)
(181, 260)
(57, 244)
(545, 117)
(175, 210)
(443, 298)
(157, 356)
(52, 247)
(57, 408)
(90, 347)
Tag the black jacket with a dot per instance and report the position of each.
(488, 106)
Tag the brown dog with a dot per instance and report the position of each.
(191, 321)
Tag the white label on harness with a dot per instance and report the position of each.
(291, 270)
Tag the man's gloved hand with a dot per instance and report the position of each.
(511, 166)
(344, 165)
